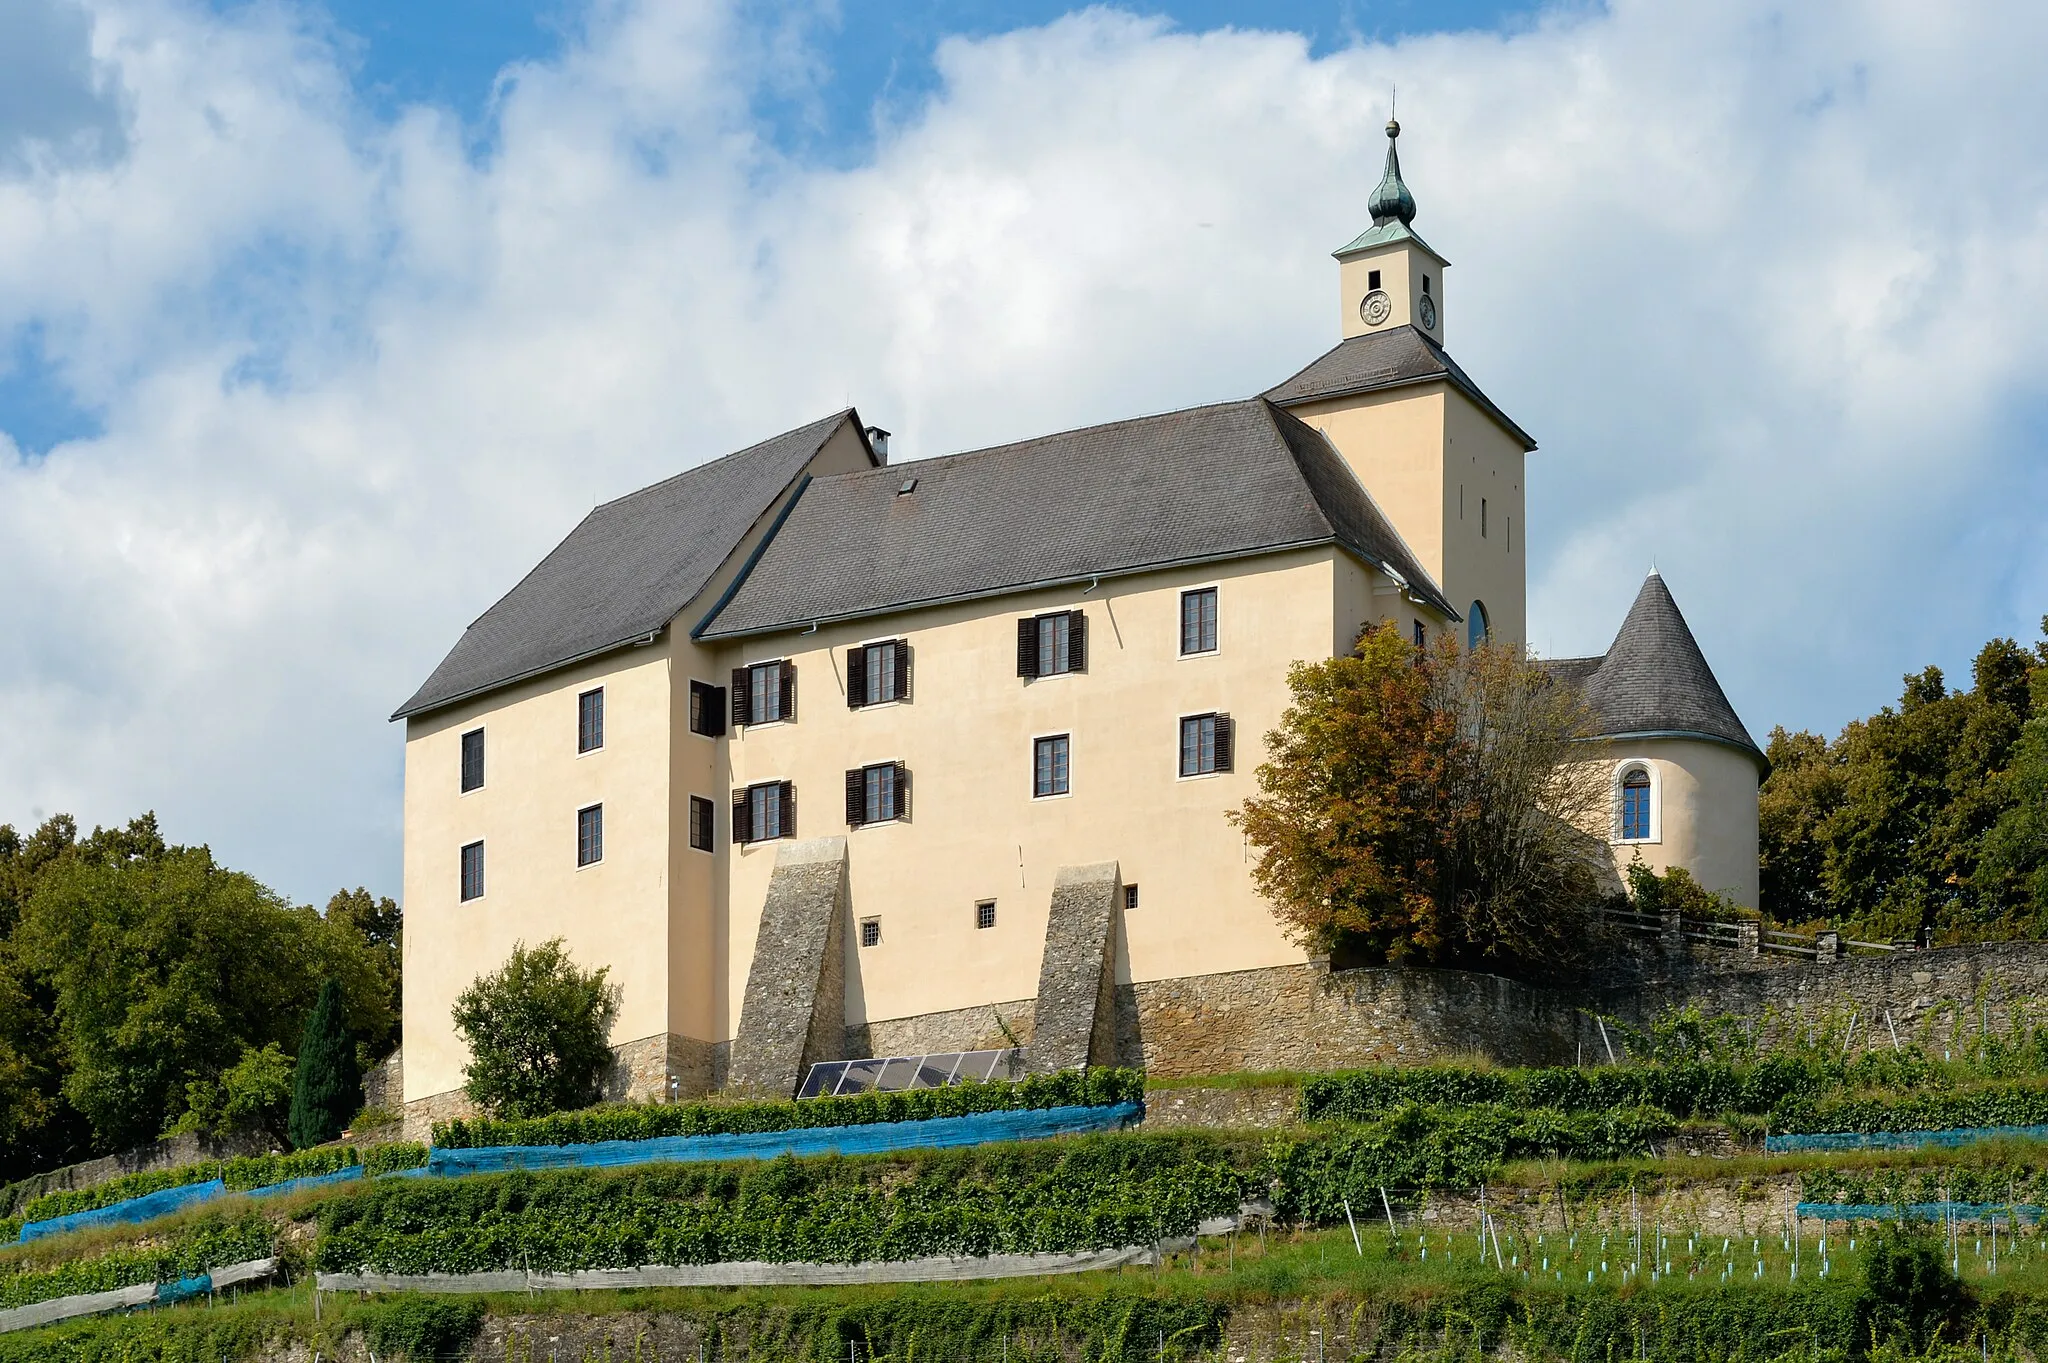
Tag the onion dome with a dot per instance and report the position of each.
(1392, 200)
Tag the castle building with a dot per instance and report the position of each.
(826, 757)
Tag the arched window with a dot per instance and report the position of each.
(1477, 630)
(1635, 805)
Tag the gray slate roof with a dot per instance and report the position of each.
(1654, 680)
(1205, 483)
(1386, 359)
(625, 571)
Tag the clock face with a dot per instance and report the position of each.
(1427, 310)
(1375, 307)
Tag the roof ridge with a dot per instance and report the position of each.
(727, 457)
(987, 450)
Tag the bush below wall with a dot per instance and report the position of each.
(645, 1121)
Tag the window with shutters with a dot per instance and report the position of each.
(702, 829)
(590, 835)
(472, 871)
(877, 673)
(1198, 621)
(1204, 744)
(590, 721)
(764, 812)
(1049, 766)
(473, 760)
(1049, 645)
(871, 932)
(878, 793)
(764, 693)
(707, 709)
(985, 914)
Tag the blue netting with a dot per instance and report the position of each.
(134, 1210)
(292, 1185)
(184, 1289)
(872, 1139)
(1900, 1140)
(876, 1138)
(1999, 1212)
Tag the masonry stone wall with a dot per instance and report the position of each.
(168, 1153)
(960, 1029)
(793, 1013)
(1074, 1021)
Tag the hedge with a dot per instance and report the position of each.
(2024, 1183)
(1039, 1197)
(643, 1121)
(210, 1242)
(1312, 1177)
(1027, 1198)
(241, 1174)
(2023, 1103)
(1685, 1089)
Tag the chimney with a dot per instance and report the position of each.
(878, 440)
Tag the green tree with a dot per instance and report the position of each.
(1428, 805)
(539, 1032)
(252, 1095)
(2013, 871)
(380, 925)
(327, 1086)
(163, 968)
(1905, 820)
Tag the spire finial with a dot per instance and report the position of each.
(1392, 199)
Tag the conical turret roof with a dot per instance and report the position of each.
(1654, 682)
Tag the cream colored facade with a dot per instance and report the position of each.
(1703, 812)
(677, 925)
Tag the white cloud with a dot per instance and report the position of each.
(1768, 283)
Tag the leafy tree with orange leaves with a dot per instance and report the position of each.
(1426, 806)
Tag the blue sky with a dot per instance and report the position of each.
(878, 52)
(318, 327)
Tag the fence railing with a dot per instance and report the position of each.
(1746, 935)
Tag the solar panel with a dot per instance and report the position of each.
(896, 1073)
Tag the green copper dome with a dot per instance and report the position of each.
(1392, 199)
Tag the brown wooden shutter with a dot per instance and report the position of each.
(714, 696)
(900, 656)
(1225, 733)
(1027, 648)
(902, 791)
(788, 690)
(856, 676)
(742, 698)
(856, 798)
(742, 826)
(1077, 641)
(788, 794)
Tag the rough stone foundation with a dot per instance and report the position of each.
(961, 1029)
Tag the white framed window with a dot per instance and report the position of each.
(472, 761)
(1205, 744)
(590, 835)
(1051, 769)
(1197, 621)
(1637, 801)
(590, 720)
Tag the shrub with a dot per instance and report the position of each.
(539, 1033)
(643, 1121)
(1909, 1294)
(422, 1327)
(2023, 1103)
(241, 1174)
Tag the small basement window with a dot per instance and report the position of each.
(985, 914)
(870, 932)
(1130, 896)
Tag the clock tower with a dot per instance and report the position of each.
(1390, 277)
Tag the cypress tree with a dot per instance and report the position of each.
(326, 1083)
